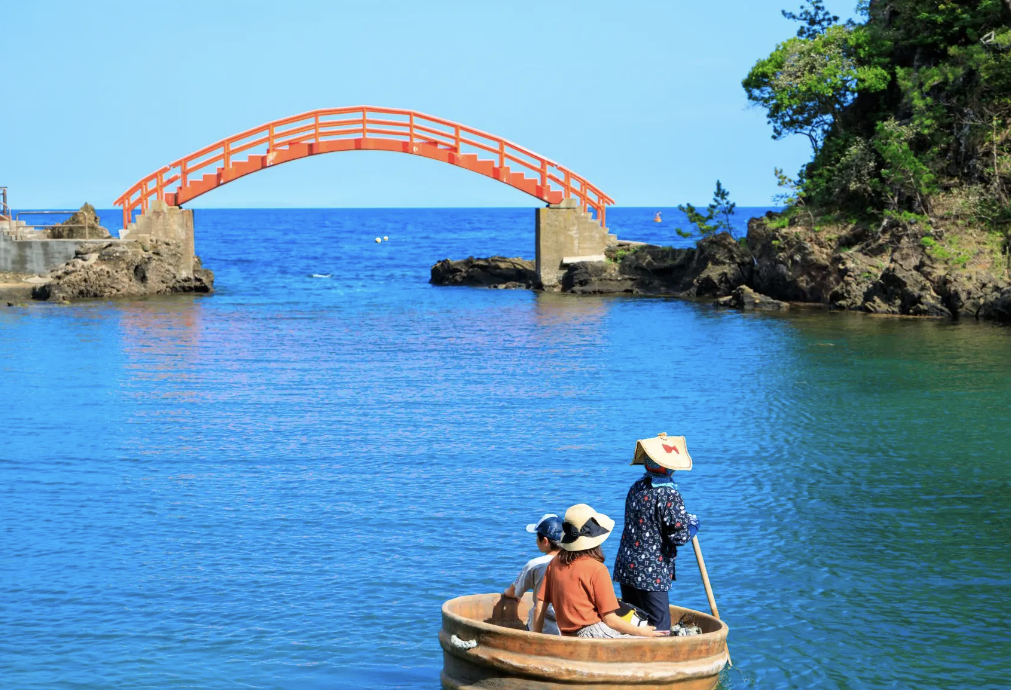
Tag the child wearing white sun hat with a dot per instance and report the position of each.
(578, 585)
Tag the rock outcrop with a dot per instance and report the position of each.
(885, 270)
(747, 299)
(793, 267)
(895, 268)
(597, 278)
(125, 269)
(997, 307)
(713, 269)
(83, 225)
(496, 272)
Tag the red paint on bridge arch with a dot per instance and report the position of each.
(361, 128)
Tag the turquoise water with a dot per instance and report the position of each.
(278, 485)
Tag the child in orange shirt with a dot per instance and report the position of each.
(578, 585)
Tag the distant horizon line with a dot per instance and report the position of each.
(366, 208)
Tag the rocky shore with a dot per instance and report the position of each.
(124, 269)
(494, 272)
(892, 269)
(104, 267)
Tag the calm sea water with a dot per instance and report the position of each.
(277, 486)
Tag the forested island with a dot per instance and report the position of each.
(905, 204)
(906, 197)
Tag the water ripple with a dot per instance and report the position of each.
(278, 486)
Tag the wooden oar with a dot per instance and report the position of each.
(709, 587)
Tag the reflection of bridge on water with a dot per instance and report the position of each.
(573, 225)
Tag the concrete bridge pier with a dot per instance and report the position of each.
(567, 234)
(166, 222)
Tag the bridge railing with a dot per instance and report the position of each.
(362, 122)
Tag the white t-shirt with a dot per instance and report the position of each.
(530, 579)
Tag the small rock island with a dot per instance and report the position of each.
(80, 259)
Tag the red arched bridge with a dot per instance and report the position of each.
(362, 128)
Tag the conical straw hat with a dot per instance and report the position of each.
(667, 451)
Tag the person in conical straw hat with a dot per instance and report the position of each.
(656, 523)
(577, 584)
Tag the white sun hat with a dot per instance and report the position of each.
(585, 528)
(667, 451)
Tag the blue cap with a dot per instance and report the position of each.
(549, 526)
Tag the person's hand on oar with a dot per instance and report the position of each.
(693, 525)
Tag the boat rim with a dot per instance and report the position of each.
(720, 633)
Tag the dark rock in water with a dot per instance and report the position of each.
(719, 266)
(497, 271)
(790, 266)
(903, 287)
(745, 298)
(83, 225)
(997, 307)
(654, 270)
(901, 290)
(126, 269)
(596, 278)
(712, 269)
(965, 294)
(887, 268)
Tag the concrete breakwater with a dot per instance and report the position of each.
(79, 259)
(885, 270)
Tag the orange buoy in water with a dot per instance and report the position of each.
(656, 218)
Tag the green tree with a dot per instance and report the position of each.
(716, 218)
(908, 107)
(793, 194)
(904, 174)
(806, 83)
(814, 19)
(899, 107)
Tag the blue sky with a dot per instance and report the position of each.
(643, 98)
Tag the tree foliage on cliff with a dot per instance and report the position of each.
(807, 82)
(902, 108)
(716, 219)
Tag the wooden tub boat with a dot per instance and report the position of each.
(486, 647)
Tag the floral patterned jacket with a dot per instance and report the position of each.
(656, 523)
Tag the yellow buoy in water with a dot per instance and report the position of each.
(385, 238)
(378, 240)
